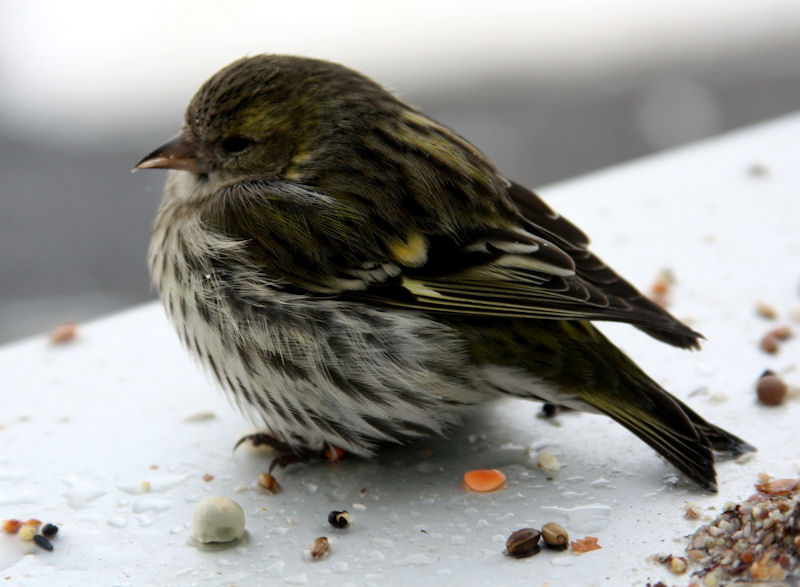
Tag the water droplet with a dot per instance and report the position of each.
(416, 559)
(153, 484)
(602, 483)
(458, 539)
(118, 521)
(341, 567)
(583, 518)
(429, 467)
(275, 568)
(82, 492)
(705, 367)
(150, 504)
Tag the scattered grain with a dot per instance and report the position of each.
(585, 544)
(217, 519)
(64, 333)
(319, 548)
(268, 483)
(12, 525)
(339, 519)
(42, 542)
(523, 543)
(771, 389)
(555, 536)
(484, 480)
(765, 310)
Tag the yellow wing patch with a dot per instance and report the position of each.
(411, 253)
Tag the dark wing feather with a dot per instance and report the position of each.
(539, 268)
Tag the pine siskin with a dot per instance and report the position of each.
(353, 272)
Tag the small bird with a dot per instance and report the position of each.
(353, 272)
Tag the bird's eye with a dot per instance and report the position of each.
(236, 144)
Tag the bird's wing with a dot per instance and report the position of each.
(539, 268)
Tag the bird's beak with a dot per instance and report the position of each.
(180, 152)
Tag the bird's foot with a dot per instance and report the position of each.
(287, 454)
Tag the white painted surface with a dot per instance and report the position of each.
(84, 424)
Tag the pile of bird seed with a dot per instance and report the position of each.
(757, 540)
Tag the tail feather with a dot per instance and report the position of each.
(664, 422)
(669, 430)
(725, 445)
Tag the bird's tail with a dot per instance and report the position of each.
(664, 422)
(675, 431)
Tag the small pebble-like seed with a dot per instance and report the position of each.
(217, 519)
(42, 542)
(555, 536)
(771, 390)
(765, 310)
(769, 344)
(12, 526)
(268, 483)
(339, 519)
(523, 543)
(64, 333)
(677, 565)
(27, 533)
(319, 547)
(49, 530)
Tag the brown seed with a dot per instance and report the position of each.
(268, 483)
(769, 344)
(765, 310)
(771, 390)
(64, 333)
(691, 513)
(319, 547)
(207, 477)
(555, 536)
(781, 332)
(339, 519)
(523, 543)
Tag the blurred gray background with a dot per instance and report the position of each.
(548, 90)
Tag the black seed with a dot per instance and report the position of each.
(523, 543)
(339, 519)
(49, 530)
(42, 542)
